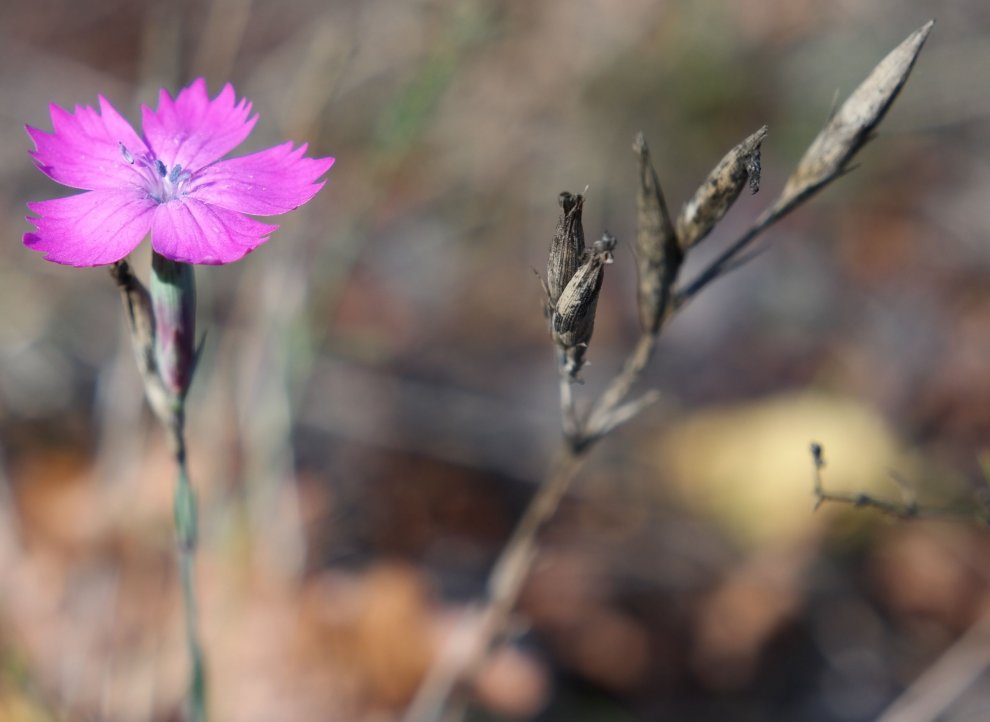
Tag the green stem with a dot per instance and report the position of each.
(186, 531)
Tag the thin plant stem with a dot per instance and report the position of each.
(718, 266)
(620, 386)
(568, 414)
(909, 508)
(940, 686)
(513, 565)
(517, 557)
(505, 584)
(186, 531)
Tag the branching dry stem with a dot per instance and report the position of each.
(908, 508)
(602, 419)
(572, 295)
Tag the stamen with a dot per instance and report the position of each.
(160, 167)
(126, 153)
(173, 177)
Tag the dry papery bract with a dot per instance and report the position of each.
(659, 255)
(851, 126)
(566, 248)
(719, 191)
(141, 322)
(573, 317)
(574, 281)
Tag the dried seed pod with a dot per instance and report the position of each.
(851, 125)
(659, 257)
(720, 190)
(567, 247)
(573, 317)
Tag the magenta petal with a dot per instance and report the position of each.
(170, 180)
(267, 183)
(89, 229)
(192, 130)
(83, 151)
(193, 232)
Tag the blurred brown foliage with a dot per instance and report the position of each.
(378, 395)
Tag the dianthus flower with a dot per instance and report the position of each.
(169, 181)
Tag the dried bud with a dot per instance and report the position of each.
(573, 318)
(141, 321)
(850, 127)
(719, 191)
(140, 317)
(173, 298)
(658, 255)
(567, 247)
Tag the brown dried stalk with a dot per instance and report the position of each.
(659, 261)
(907, 508)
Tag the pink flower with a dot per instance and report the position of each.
(169, 181)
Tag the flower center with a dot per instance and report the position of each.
(159, 182)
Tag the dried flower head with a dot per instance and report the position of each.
(573, 319)
(721, 188)
(852, 124)
(169, 181)
(659, 257)
(567, 246)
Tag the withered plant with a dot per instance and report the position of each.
(574, 279)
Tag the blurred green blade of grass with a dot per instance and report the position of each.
(406, 117)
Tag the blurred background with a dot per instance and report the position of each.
(378, 397)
